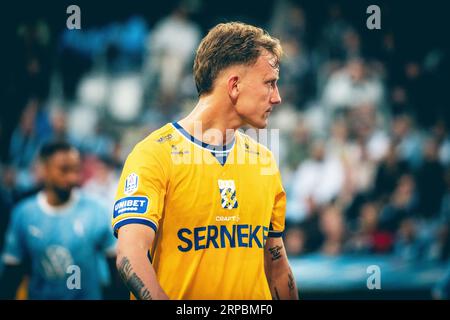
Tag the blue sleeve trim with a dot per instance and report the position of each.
(126, 221)
(273, 234)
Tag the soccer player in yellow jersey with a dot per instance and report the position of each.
(200, 206)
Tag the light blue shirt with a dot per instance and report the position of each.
(53, 239)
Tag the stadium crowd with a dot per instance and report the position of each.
(364, 134)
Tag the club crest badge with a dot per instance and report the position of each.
(228, 194)
(131, 184)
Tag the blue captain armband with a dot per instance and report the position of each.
(275, 234)
(133, 220)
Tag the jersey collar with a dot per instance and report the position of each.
(210, 147)
(56, 211)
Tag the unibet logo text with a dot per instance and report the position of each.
(238, 235)
(130, 205)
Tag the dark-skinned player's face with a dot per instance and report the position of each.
(62, 172)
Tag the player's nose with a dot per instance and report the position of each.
(73, 179)
(275, 98)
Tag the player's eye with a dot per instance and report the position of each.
(64, 169)
(272, 83)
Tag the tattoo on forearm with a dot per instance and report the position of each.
(277, 296)
(133, 282)
(291, 283)
(275, 251)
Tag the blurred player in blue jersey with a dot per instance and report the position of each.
(56, 236)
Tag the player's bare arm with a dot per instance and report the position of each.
(133, 264)
(278, 272)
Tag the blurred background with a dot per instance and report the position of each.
(365, 144)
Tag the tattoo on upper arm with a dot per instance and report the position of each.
(133, 282)
(275, 251)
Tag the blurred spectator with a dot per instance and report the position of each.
(100, 143)
(317, 180)
(17, 189)
(402, 205)
(171, 48)
(389, 57)
(59, 125)
(376, 140)
(295, 241)
(297, 146)
(430, 181)
(310, 231)
(440, 132)
(290, 25)
(367, 238)
(102, 184)
(408, 140)
(359, 169)
(332, 226)
(352, 45)
(352, 86)
(297, 83)
(399, 103)
(8, 183)
(362, 169)
(388, 174)
(407, 245)
(332, 34)
(125, 45)
(289, 22)
(25, 141)
(33, 73)
(416, 86)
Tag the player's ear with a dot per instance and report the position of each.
(233, 87)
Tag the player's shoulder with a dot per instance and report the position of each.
(253, 146)
(27, 204)
(158, 140)
(26, 209)
(161, 135)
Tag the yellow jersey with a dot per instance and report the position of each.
(212, 209)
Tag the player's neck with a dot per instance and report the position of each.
(54, 200)
(210, 115)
